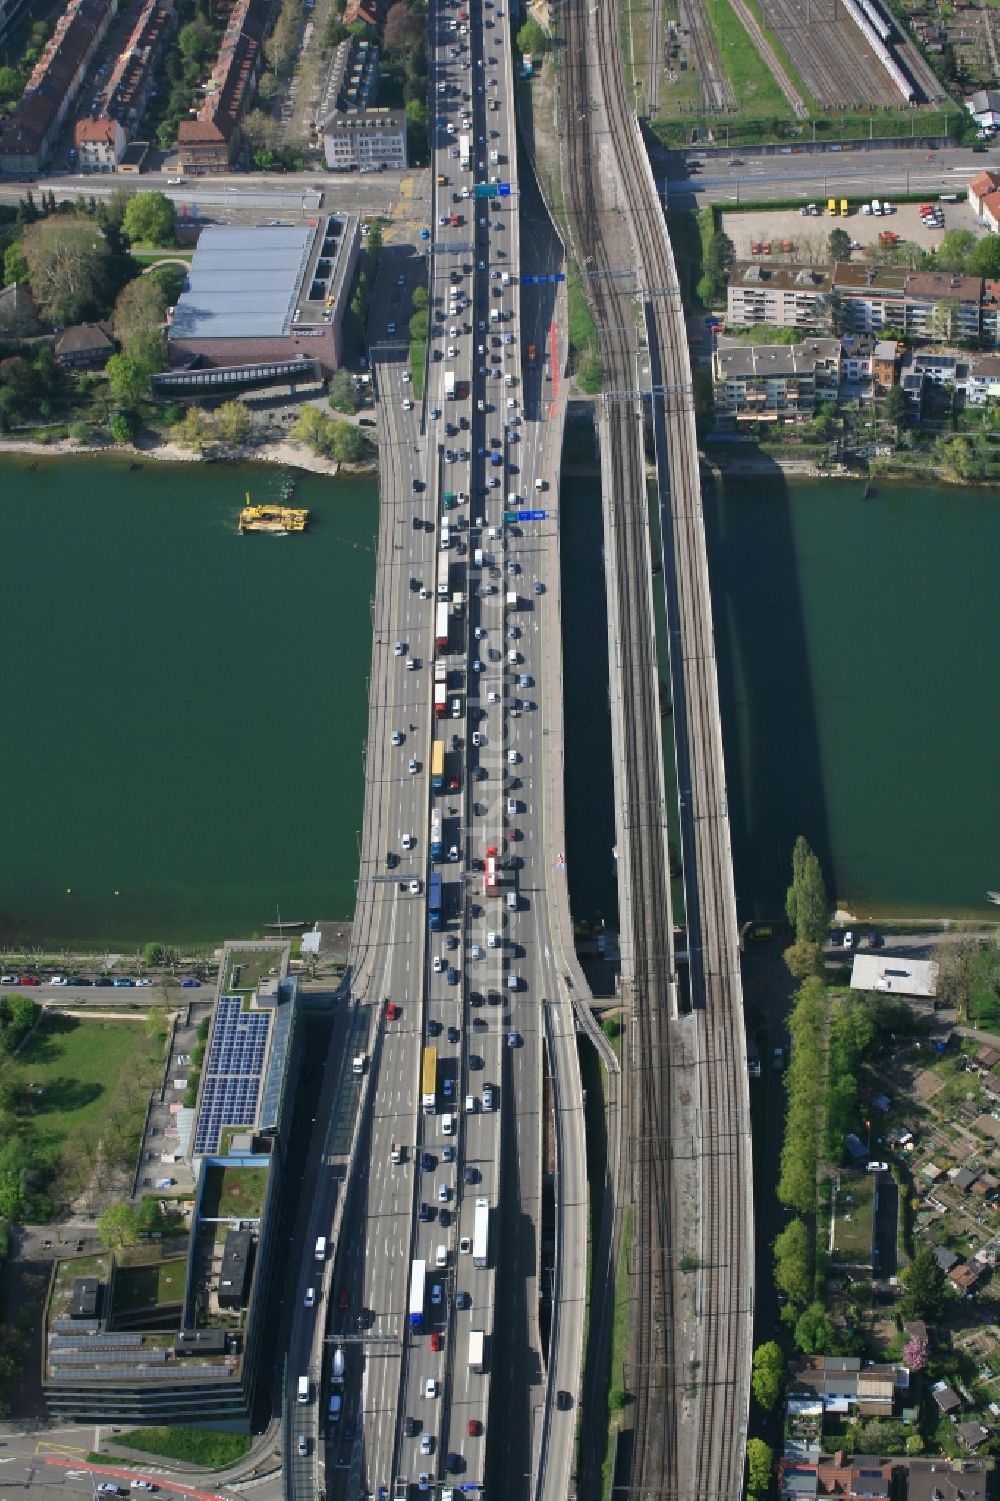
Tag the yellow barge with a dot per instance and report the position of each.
(277, 519)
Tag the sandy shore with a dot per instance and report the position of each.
(285, 453)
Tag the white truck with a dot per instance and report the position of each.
(449, 383)
(477, 1354)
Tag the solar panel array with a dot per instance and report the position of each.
(107, 1357)
(136, 1372)
(98, 1342)
(233, 1071)
(75, 1326)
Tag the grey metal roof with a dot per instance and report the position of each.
(243, 283)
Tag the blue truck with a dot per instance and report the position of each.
(435, 907)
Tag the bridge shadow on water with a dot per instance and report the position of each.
(773, 763)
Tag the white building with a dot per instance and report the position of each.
(892, 975)
(365, 140)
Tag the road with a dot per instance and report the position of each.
(805, 174)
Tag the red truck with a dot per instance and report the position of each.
(532, 354)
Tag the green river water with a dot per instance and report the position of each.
(185, 708)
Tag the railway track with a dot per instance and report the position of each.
(716, 90)
(689, 1365)
(837, 66)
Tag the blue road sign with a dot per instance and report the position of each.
(531, 515)
(503, 189)
(559, 276)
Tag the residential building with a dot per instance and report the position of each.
(131, 80)
(18, 313)
(365, 140)
(989, 211)
(946, 1480)
(774, 382)
(99, 144)
(894, 975)
(210, 143)
(352, 82)
(941, 306)
(983, 382)
(29, 135)
(856, 354)
(84, 346)
(984, 107)
(842, 1382)
(780, 295)
(872, 298)
(980, 187)
(885, 364)
(945, 1397)
(271, 295)
(369, 12)
(849, 1477)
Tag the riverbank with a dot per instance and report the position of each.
(285, 453)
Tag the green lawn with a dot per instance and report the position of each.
(235, 1191)
(77, 1074)
(253, 965)
(852, 1237)
(753, 82)
(200, 1446)
(149, 1286)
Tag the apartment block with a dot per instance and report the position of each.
(210, 143)
(775, 382)
(779, 295)
(366, 140)
(29, 135)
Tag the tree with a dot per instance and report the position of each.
(11, 87)
(196, 42)
(128, 379)
(806, 903)
(68, 269)
(954, 250)
(404, 29)
(192, 431)
(149, 217)
(118, 1226)
(894, 406)
(924, 1287)
(792, 1269)
(343, 392)
(348, 443)
(120, 426)
(915, 1352)
(313, 428)
(804, 959)
(139, 318)
(814, 1333)
(768, 1374)
(985, 258)
(15, 267)
(957, 965)
(759, 1464)
(416, 130)
(232, 422)
(531, 38)
(839, 245)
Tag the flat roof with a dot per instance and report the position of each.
(888, 972)
(243, 282)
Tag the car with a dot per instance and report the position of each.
(471, 1173)
(412, 766)
(513, 1039)
(427, 1162)
(453, 1034)
(488, 1097)
(443, 1193)
(425, 1213)
(407, 405)
(430, 1385)
(477, 739)
(423, 1481)
(452, 980)
(391, 1011)
(122, 983)
(302, 1444)
(435, 413)
(448, 1151)
(436, 1343)
(448, 1085)
(433, 1027)
(398, 737)
(877, 1167)
(401, 281)
(451, 942)
(108, 1488)
(464, 1245)
(414, 887)
(437, 964)
(407, 841)
(455, 1464)
(57, 980)
(426, 1443)
(411, 1427)
(390, 328)
(144, 984)
(453, 853)
(474, 1428)
(174, 182)
(399, 649)
(142, 1485)
(310, 1298)
(848, 939)
(186, 984)
(436, 1295)
(513, 757)
(538, 586)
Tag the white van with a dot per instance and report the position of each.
(447, 1125)
(303, 1390)
(441, 1257)
(512, 901)
(470, 1104)
(445, 536)
(477, 558)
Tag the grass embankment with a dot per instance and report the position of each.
(85, 1081)
(418, 366)
(587, 364)
(673, 128)
(197, 1446)
(618, 1395)
(752, 81)
(611, 1026)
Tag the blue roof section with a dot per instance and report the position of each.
(243, 283)
(233, 1071)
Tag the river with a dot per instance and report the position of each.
(185, 708)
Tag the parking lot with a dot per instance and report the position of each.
(809, 235)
